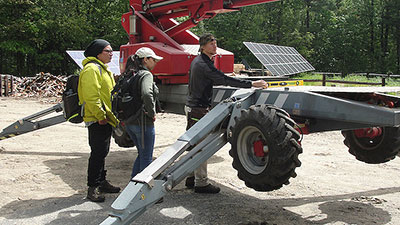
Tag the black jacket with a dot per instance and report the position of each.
(203, 76)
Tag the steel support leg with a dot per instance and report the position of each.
(31, 123)
(204, 138)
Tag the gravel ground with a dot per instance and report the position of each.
(43, 181)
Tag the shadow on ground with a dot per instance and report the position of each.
(182, 206)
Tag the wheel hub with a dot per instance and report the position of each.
(369, 138)
(259, 148)
(252, 150)
(371, 132)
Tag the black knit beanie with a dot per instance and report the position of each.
(96, 47)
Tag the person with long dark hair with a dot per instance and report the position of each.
(141, 128)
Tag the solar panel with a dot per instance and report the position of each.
(279, 60)
(78, 57)
(194, 50)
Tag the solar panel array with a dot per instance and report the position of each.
(78, 57)
(279, 60)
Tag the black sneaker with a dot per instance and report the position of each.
(106, 187)
(95, 195)
(189, 183)
(209, 189)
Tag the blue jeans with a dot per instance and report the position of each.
(145, 152)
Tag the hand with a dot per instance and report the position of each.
(259, 84)
(102, 122)
(154, 117)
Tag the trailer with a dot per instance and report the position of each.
(263, 126)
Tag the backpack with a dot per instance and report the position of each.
(73, 111)
(126, 100)
(121, 137)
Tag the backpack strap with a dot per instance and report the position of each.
(141, 110)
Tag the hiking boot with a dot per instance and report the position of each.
(209, 189)
(189, 183)
(95, 195)
(106, 187)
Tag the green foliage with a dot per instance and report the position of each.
(338, 36)
(36, 34)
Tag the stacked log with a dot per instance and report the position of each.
(42, 85)
(6, 85)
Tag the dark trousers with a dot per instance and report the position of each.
(194, 115)
(99, 141)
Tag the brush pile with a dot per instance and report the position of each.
(42, 85)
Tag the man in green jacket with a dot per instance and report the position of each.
(96, 82)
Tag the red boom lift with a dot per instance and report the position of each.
(151, 24)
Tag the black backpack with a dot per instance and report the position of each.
(72, 109)
(126, 100)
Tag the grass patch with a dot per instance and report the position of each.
(390, 82)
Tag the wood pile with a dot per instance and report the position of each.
(238, 67)
(42, 85)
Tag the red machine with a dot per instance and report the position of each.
(151, 24)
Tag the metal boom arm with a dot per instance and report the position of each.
(151, 24)
(204, 139)
(31, 123)
(160, 11)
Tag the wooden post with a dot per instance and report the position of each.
(1, 85)
(11, 84)
(6, 85)
(383, 81)
(323, 79)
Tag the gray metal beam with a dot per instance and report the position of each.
(31, 123)
(319, 108)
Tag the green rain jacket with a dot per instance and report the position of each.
(94, 91)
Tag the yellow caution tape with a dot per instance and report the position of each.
(7, 136)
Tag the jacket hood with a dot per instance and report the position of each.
(91, 59)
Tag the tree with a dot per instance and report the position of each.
(36, 34)
(334, 35)
(18, 34)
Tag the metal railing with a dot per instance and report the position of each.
(6, 85)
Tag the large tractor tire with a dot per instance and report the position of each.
(265, 147)
(380, 149)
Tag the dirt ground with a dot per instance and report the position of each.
(43, 181)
